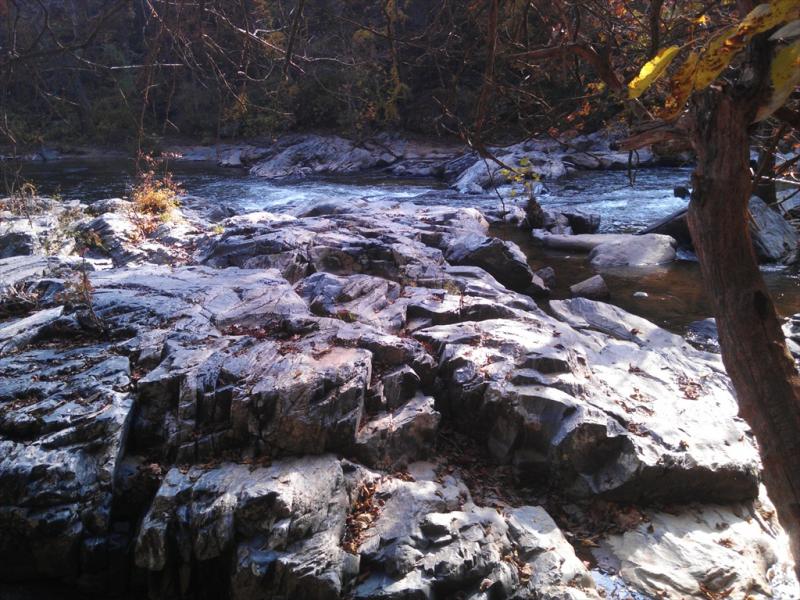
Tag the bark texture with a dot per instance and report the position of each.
(752, 342)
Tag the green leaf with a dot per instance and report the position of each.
(651, 71)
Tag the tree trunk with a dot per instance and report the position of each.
(752, 342)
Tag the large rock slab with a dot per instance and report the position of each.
(600, 401)
(614, 249)
(315, 155)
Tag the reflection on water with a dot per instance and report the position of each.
(674, 292)
(675, 295)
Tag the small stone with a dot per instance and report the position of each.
(594, 288)
(547, 275)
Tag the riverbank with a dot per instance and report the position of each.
(356, 399)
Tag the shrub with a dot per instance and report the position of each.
(155, 195)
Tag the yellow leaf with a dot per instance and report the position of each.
(715, 58)
(785, 75)
(724, 47)
(681, 87)
(651, 71)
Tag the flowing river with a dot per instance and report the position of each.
(672, 295)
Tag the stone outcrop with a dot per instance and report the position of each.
(251, 425)
(584, 400)
(64, 419)
(295, 156)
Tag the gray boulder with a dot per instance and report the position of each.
(429, 538)
(773, 237)
(635, 251)
(702, 551)
(594, 288)
(503, 260)
(304, 156)
(586, 400)
(582, 222)
(614, 249)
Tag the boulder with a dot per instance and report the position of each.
(773, 237)
(582, 222)
(303, 156)
(503, 260)
(675, 226)
(399, 437)
(635, 251)
(483, 173)
(117, 233)
(429, 538)
(245, 533)
(614, 250)
(600, 401)
(594, 288)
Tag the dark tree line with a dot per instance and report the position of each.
(101, 70)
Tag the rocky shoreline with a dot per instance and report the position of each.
(356, 402)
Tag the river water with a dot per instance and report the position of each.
(674, 295)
